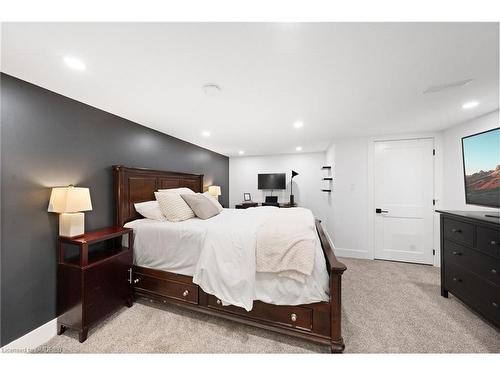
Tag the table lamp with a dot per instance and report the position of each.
(214, 191)
(69, 201)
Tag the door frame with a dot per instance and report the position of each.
(437, 184)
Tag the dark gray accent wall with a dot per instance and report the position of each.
(50, 140)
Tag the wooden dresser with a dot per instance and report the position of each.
(470, 261)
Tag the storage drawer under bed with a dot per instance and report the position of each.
(291, 316)
(167, 287)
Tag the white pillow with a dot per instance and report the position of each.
(150, 210)
(173, 207)
(214, 201)
(182, 190)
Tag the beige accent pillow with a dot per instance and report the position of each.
(173, 207)
(213, 200)
(201, 205)
(182, 190)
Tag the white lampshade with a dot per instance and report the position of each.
(69, 199)
(214, 190)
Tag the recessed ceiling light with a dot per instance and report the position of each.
(298, 148)
(205, 133)
(211, 89)
(298, 124)
(470, 104)
(241, 152)
(74, 63)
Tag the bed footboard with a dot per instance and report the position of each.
(335, 270)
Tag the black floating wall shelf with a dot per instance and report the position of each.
(327, 190)
(327, 178)
(326, 167)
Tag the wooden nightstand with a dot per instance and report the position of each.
(94, 277)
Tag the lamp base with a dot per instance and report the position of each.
(292, 199)
(72, 224)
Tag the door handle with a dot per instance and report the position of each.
(379, 211)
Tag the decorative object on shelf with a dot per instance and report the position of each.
(69, 202)
(292, 201)
(247, 197)
(328, 178)
(214, 191)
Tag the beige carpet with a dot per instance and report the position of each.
(387, 307)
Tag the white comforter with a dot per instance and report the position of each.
(220, 255)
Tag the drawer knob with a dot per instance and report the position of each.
(457, 279)
(136, 280)
(455, 230)
(293, 317)
(494, 243)
(494, 304)
(458, 253)
(185, 294)
(494, 271)
(218, 302)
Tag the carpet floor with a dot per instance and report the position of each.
(388, 307)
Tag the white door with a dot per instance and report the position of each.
(404, 189)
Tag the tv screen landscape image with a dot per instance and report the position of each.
(481, 158)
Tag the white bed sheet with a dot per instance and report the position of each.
(215, 249)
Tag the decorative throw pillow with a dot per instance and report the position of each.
(182, 190)
(150, 210)
(173, 207)
(201, 205)
(213, 200)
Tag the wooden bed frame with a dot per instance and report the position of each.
(317, 322)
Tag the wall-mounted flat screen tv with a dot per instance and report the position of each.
(481, 158)
(271, 181)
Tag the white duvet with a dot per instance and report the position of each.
(219, 253)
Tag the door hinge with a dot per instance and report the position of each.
(433, 202)
(433, 151)
(433, 252)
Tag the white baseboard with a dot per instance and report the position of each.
(352, 253)
(32, 339)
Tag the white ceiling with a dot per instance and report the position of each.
(340, 79)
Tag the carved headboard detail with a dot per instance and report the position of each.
(134, 185)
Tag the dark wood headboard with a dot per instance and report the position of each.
(134, 185)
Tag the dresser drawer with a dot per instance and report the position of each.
(458, 231)
(483, 295)
(488, 240)
(481, 264)
(290, 316)
(168, 288)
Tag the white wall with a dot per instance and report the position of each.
(453, 178)
(347, 222)
(307, 185)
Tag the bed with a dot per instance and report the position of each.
(166, 257)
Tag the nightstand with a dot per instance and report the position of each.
(94, 277)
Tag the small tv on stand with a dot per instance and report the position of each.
(481, 161)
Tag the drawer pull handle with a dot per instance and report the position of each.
(494, 304)
(494, 243)
(454, 230)
(293, 317)
(457, 279)
(218, 302)
(458, 253)
(136, 280)
(494, 271)
(186, 293)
